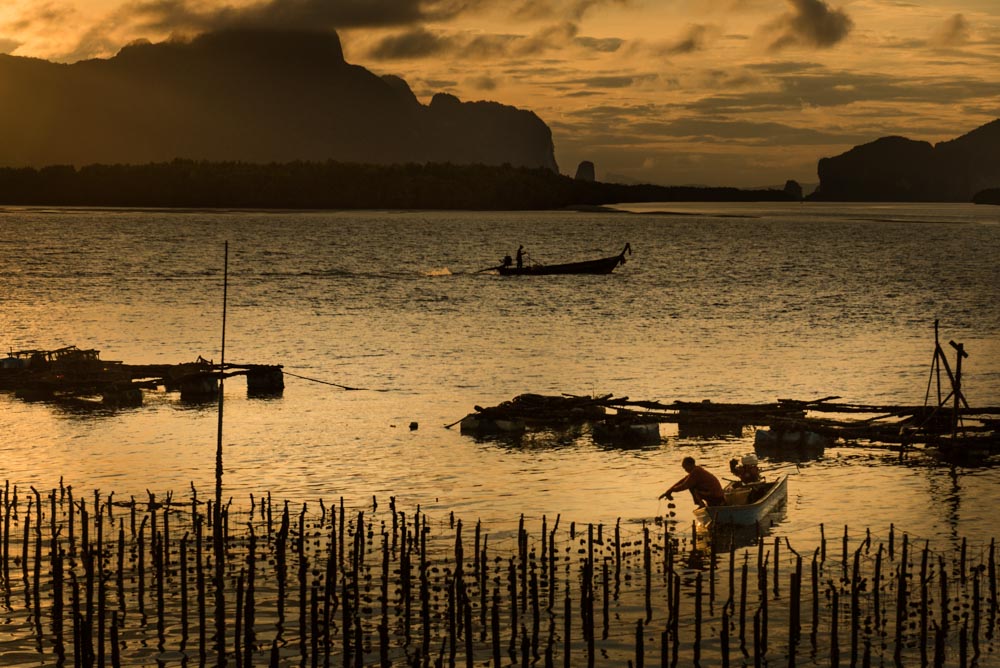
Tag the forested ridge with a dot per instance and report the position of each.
(333, 185)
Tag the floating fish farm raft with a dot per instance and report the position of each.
(788, 423)
(74, 374)
(945, 424)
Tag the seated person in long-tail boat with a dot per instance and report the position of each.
(745, 469)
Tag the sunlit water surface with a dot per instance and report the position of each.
(740, 303)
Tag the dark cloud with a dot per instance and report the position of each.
(487, 46)
(41, 16)
(420, 43)
(954, 32)
(440, 84)
(482, 82)
(191, 16)
(634, 122)
(732, 79)
(603, 45)
(537, 10)
(186, 15)
(784, 67)
(8, 45)
(833, 89)
(758, 133)
(811, 23)
(547, 38)
(694, 39)
(417, 43)
(614, 80)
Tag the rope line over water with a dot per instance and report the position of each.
(326, 382)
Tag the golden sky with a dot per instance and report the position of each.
(715, 92)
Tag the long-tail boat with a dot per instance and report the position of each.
(604, 265)
(746, 504)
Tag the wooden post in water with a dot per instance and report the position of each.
(567, 631)
(855, 605)
(24, 547)
(7, 507)
(777, 564)
(724, 636)
(536, 616)
(647, 560)
(495, 627)
(676, 619)
(923, 603)
(57, 600)
(605, 620)
(640, 648)
(975, 614)
(943, 596)
(901, 602)
(744, 576)
(822, 543)
(697, 618)
(834, 630)
(993, 581)
(314, 624)
(512, 588)
(383, 626)
(101, 585)
(957, 387)
(303, 581)
(183, 556)
(250, 615)
(200, 583)
(217, 532)
(618, 553)
(141, 565)
(238, 626)
(483, 587)
(116, 660)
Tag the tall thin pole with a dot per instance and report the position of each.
(220, 594)
(957, 385)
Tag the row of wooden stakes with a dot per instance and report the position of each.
(103, 582)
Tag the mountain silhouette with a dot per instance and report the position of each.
(901, 169)
(247, 95)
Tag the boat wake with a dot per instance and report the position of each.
(438, 271)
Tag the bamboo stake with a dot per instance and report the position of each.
(184, 590)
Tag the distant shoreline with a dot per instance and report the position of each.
(188, 184)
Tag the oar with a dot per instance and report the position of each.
(449, 426)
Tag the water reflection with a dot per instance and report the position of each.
(727, 537)
(86, 409)
(537, 439)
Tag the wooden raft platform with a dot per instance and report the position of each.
(946, 422)
(74, 373)
(826, 420)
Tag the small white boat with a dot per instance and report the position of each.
(746, 504)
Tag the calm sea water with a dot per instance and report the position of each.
(745, 303)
